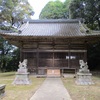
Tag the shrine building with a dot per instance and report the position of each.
(52, 45)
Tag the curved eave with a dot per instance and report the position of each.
(45, 36)
(19, 35)
(87, 37)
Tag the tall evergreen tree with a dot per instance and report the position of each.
(12, 12)
(89, 10)
(66, 7)
(53, 10)
(5, 54)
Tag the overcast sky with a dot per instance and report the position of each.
(38, 5)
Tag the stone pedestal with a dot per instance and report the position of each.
(22, 77)
(84, 79)
(84, 75)
(2, 90)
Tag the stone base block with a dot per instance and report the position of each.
(2, 90)
(22, 79)
(84, 79)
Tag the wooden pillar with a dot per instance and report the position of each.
(53, 54)
(37, 58)
(85, 53)
(69, 55)
(21, 54)
(21, 48)
(53, 58)
(85, 56)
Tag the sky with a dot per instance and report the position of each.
(38, 5)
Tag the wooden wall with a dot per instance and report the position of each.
(53, 54)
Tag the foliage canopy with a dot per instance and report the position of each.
(12, 12)
(89, 10)
(55, 10)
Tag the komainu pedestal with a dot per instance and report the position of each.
(2, 90)
(22, 75)
(84, 77)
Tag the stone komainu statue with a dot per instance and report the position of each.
(23, 64)
(83, 66)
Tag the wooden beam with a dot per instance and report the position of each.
(35, 50)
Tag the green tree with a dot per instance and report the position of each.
(53, 10)
(89, 10)
(13, 63)
(94, 56)
(92, 14)
(5, 54)
(66, 7)
(12, 12)
(9, 56)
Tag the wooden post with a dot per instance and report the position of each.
(85, 53)
(37, 58)
(21, 49)
(20, 54)
(69, 54)
(53, 53)
(85, 56)
(53, 58)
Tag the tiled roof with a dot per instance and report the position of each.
(65, 28)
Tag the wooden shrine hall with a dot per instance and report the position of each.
(52, 46)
